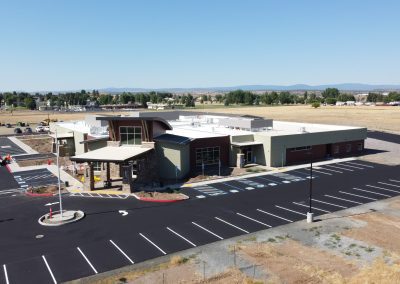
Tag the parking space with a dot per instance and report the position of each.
(68, 263)
(34, 157)
(35, 178)
(9, 147)
(27, 270)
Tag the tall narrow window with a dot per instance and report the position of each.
(130, 135)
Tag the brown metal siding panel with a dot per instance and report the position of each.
(222, 142)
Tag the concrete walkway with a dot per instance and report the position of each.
(22, 145)
(274, 171)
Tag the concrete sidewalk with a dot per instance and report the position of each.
(274, 171)
(22, 145)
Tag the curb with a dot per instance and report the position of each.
(7, 166)
(158, 200)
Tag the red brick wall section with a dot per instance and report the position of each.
(320, 152)
(296, 157)
(222, 142)
(342, 148)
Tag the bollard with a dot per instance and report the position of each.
(51, 213)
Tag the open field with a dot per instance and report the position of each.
(378, 117)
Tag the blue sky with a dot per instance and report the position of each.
(75, 44)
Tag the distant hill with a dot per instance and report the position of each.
(297, 87)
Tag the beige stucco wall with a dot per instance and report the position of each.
(171, 155)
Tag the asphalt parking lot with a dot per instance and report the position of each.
(118, 232)
(9, 147)
(388, 137)
(35, 178)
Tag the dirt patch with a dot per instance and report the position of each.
(380, 230)
(395, 204)
(43, 189)
(307, 264)
(41, 145)
(161, 195)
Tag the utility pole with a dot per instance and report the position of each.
(58, 168)
(310, 217)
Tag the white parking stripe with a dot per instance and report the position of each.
(276, 216)
(254, 220)
(320, 201)
(336, 167)
(147, 239)
(87, 260)
(48, 267)
(227, 184)
(318, 171)
(338, 198)
(312, 207)
(362, 196)
(208, 231)
(389, 184)
(271, 180)
(381, 188)
(287, 209)
(243, 230)
(330, 170)
(121, 251)
(5, 274)
(351, 167)
(394, 180)
(376, 193)
(182, 237)
(357, 164)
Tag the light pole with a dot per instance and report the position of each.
(310, 215)
(58, 168)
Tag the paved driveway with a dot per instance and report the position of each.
(118, 232)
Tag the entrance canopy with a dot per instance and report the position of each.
(111, 154)
(243, 144)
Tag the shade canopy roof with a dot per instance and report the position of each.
(248, 143)
(111, 154)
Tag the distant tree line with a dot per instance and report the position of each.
(237, 97)
(391, 97)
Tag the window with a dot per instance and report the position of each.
(208, 156)
(348, 148)
(97, 166)
(130, 135)
(359, 146)
(336, 149)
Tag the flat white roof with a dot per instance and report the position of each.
(112, 154)
(207, 126)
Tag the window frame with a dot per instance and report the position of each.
(134, 134)
(207, 155)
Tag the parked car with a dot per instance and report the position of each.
(47, 128)
(17, 130)
(28, 130)
(8, 125)
(39, 128)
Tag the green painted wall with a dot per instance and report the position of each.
(171, 155)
